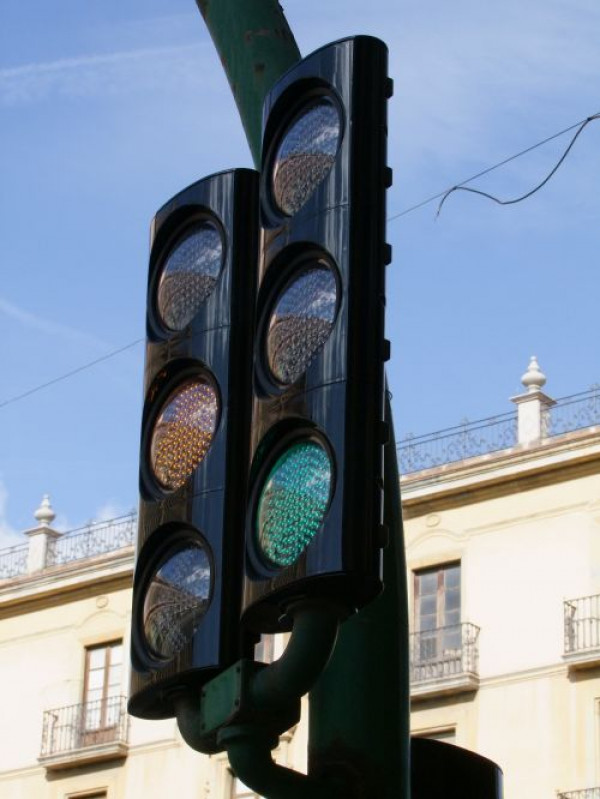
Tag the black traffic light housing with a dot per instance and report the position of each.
(195, 440)
(319, 346)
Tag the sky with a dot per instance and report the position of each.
(107, 109)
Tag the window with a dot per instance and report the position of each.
(102, 691)
(437, 612)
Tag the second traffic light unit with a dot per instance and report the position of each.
(195, 441)
(313, 524)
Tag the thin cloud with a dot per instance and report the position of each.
(96, 75)
(47, 326)
(8, 535)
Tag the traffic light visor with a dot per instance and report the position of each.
(183, 431)
(189, 274)
(305, 153)
(176, 599)
(293, 501)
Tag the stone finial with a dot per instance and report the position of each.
(534, 378)
(45, 513)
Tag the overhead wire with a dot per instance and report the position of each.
(66, 375)
(581, 124)
(532, 191)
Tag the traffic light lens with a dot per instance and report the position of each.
(301, 322)
(305, 155)
(189, 274)
(293, 502)
(183, 431)
(176, 600)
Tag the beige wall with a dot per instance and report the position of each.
(525, 546)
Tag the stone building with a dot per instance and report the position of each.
(502, 525)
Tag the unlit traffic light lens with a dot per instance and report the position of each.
(176, 600)
(293, 502)
(189, 274)
(183, 431)
(301, 322)
(305, 155)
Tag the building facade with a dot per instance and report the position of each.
(65, 612)
(502, 527)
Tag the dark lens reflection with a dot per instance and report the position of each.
(305, 155)
(189, 274)
(176, 600)
(301, 322)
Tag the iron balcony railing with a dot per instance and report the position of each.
(585, 793)
(582, 624)
(97, 538)
(67, 729)
(457, 443)
(13, 561)
(494, 433)
(445, 652)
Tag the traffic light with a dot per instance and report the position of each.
(195, 440)
(314, 519)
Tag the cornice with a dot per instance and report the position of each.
(67, 583)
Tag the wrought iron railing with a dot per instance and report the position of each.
(13, 561)
(585, 793)
(582, 624)
(94, 539)
(67, 729)
(575, 412)
(443, 653)
(495, 433)
(457, 443)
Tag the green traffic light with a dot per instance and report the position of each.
(293, 502)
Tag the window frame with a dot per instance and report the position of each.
(105, 728)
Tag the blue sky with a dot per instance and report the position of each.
(109, 108)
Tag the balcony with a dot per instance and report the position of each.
(582, 632)
(444, 661)
(85, 733)
(586, 793)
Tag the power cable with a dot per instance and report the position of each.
(527, 194)
(85, 366)
(581, 124)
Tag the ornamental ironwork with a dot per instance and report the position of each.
(66, 729)
(13, 561)
(457, 443)
(444, 652)
(97, 538)
(582, 624)
(575, 412)
(495, 433)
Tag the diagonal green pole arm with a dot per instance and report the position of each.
(256, 46)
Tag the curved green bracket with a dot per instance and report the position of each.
(256, 46)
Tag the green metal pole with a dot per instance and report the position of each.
(359, 709)
(256, 46)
